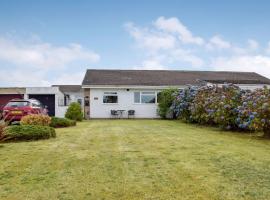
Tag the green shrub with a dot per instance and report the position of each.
(165, 100)
(28, 132)
(40, 120)
(57, 122)
(74, 112)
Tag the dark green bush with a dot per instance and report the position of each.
(28, 132)
(165, 100)
(74, 112)
(57, 122)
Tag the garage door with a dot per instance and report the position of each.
(47, 100)
(5, 98)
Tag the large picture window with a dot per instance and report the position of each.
(148, 97)
(144, 97)
(110, 97)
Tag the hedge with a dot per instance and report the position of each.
(57, 122)
(36, 119)
(28, 132)
(228, 107)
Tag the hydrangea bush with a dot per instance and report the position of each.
(254, 112)
(183, 100)
(228, 98)
(228, 107)
(204, 105)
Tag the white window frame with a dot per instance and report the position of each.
(110, 94)
(141, 93)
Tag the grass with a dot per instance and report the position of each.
(137, 159)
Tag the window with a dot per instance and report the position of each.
(137, 97)
(144, 97)
(66, 100)
(18, 104)
(79, 101)
(110, 97)
(86, 101)
(158, 97)
(148, 97)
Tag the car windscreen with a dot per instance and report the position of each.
(18, 104)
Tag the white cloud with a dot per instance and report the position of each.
(186, 56)
(268, 48)
(31, 62)
(160, 45)
(69, 78)
(251, 63)
(167, 42)
(216, 42)
(23, 77)
(39, 54)
(152, 64)
(174, 25)
(151, 40)
(253, 45)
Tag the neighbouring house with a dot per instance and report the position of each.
(9, 93)
(70, 94)
(107, 90)
(48, 96)
(56, 98)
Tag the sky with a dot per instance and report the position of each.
(55, 42)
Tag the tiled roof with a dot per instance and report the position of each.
(69, 88)
(168, 77)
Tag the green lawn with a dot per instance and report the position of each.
(137, 159)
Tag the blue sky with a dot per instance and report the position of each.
(54, 42)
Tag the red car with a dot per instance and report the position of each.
(17, 108)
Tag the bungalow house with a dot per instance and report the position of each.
(105, 90)
(123, 90)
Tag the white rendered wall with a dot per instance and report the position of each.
(125, 102)
(251, 86)
(61, 111)
(74, 96)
